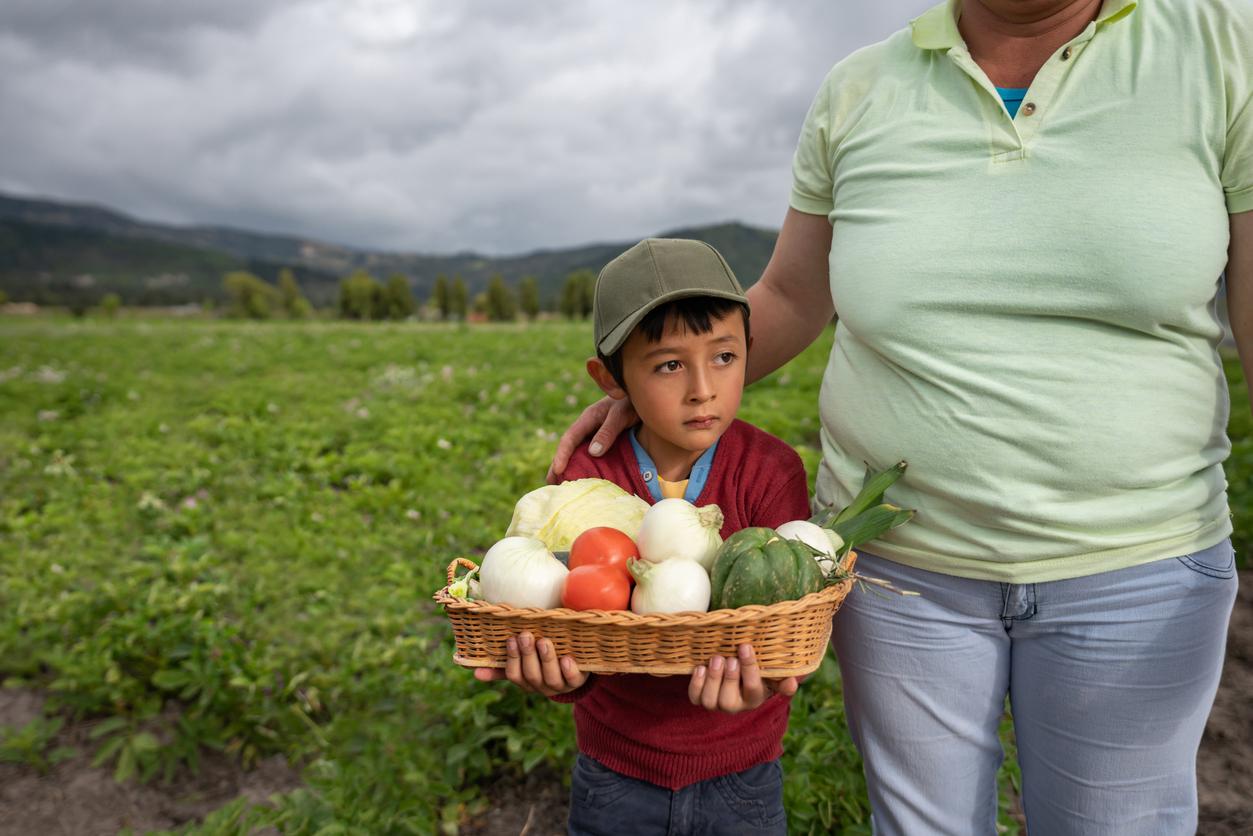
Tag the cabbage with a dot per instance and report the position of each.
(556, 514)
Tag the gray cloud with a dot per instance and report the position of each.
(125, 32)
(419, 125)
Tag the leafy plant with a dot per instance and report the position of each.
(230, 532)
(135, 752)
(34, 744)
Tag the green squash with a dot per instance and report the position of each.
(757, 566)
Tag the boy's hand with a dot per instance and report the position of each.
(734, 685)
(533, 666)
(607, 418)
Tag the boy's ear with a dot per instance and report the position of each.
(599, 373)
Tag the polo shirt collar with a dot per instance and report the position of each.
(695, 481)
(936, 28)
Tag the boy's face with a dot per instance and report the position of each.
(687, 387)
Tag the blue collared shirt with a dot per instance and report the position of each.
(695, 481)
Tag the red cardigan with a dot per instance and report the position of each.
(644, 726)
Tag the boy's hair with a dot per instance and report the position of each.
(696, 313)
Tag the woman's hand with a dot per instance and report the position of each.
(608, 417)
(533, 666)
(734, 685)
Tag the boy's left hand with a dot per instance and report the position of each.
(734, 685)
(533, 666)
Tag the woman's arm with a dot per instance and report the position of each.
(790, 306)
(1240, 290)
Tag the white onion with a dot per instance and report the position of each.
(522, 572)
(675, 529)
(816, 537)
(673, 586)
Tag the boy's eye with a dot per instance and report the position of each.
(669, 366)
(726, 358)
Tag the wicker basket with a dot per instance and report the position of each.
(789, 638)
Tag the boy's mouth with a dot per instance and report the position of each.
(701, 422)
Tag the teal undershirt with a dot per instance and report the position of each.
(1012, 97)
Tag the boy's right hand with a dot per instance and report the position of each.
(736, 684)
(533, 666)
(607, 418)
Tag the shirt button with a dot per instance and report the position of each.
(1066, 53)
(648, 476)
(1028, 108)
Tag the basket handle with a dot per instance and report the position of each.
(460, 561)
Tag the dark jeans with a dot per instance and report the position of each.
(604, 803)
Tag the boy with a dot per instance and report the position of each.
(666, 754)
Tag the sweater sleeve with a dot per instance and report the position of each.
(583, 465)
(578, 693)
(787, 502)
(580, 466)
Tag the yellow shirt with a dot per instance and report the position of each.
(1027, 306)
(672, 490)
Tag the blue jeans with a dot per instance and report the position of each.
(1110, 678)
(605, 803)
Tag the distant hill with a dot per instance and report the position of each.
(53, 252)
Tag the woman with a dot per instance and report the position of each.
(1020, 210)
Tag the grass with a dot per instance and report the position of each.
(226, 535)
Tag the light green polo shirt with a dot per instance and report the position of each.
(1027, 306)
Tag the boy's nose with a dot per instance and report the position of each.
(700, 389)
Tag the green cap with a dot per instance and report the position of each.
(653, 272)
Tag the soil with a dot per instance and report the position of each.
(1224, 766)
(536, 806)
(77, 799)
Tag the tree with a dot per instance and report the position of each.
(501, 305)
(587, 293)
(528, 296)
(379, 309)
(361, 297)
(577, 293)
(4, 298)
(569, 304)
(294, 302)
(400, 304)
(250, 296)
(109, 305)
(458, 299)
(441, 298)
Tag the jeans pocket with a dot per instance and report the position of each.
(1216, 562)
(754, 796)
(594, 783)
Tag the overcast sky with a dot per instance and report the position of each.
(500, 126)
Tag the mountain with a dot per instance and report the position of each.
(54, 252)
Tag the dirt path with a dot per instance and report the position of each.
(76, 799)
(1225, 762)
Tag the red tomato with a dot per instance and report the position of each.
(603, 546)
(596, 588)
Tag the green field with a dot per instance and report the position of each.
(226, 535)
